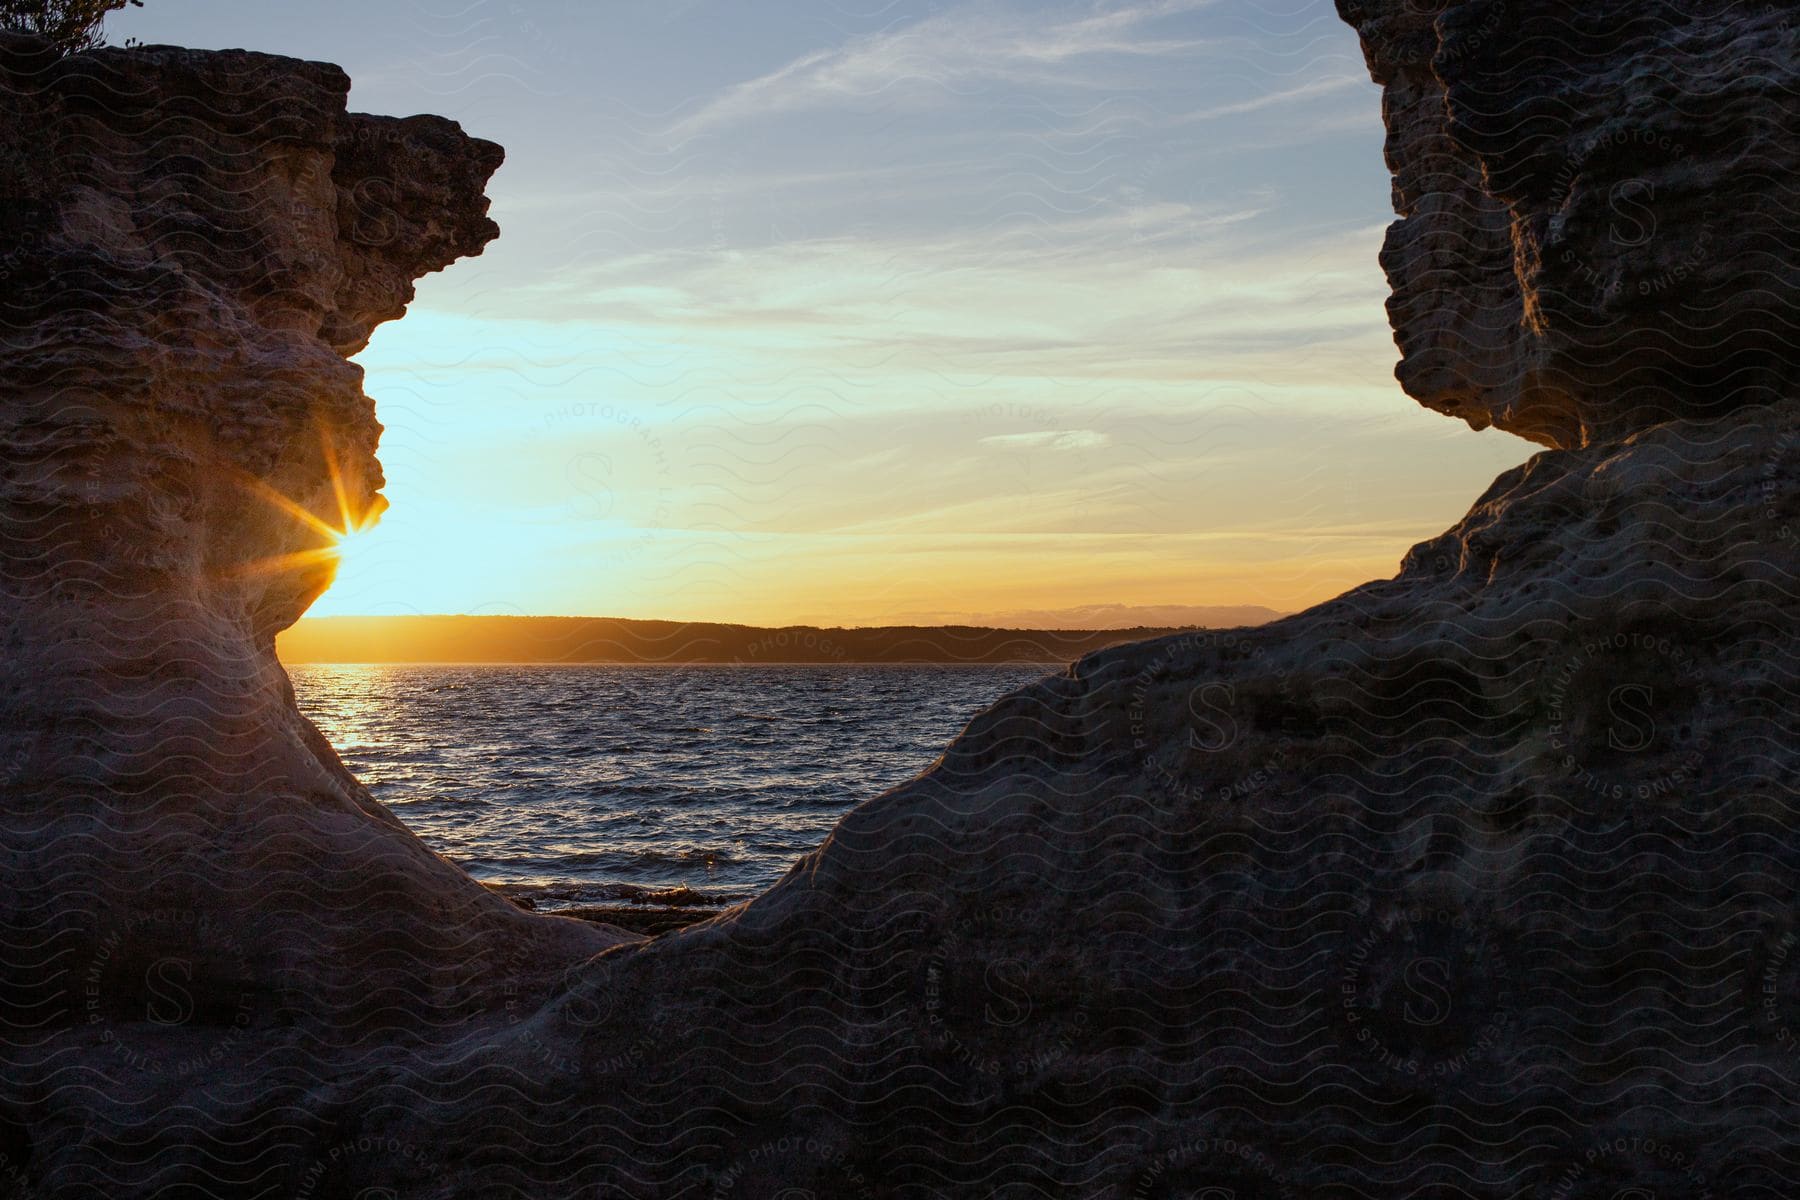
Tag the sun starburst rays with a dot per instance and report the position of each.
(353, 519)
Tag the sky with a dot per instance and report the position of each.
(885, 310)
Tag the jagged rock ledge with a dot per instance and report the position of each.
(192, 243)
(1476, 881)
(1599, 219)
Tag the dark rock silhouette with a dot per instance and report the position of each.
(194, 241)
(1598, 223)
(1478, 881)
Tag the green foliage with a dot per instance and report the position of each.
(74, 25)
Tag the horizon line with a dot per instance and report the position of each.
(1275, 614)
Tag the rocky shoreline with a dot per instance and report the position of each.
(653, 912)
(1478, 881)
(641, 919)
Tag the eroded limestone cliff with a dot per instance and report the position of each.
(1599, 218)
(1479, 881)
(192, 243)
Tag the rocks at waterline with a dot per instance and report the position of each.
(1477, 881)
(1453, 884)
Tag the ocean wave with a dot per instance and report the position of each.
(597, 785)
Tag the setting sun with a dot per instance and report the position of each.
(353, 543)
(982, 598)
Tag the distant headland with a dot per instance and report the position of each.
(495, 639)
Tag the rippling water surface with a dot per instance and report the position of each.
(584, 784)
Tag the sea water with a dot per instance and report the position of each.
(585, 784)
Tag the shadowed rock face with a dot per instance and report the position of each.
(1597, 207)
(192, 243)
(1478, 881)
(1445, 886)
(1457, 883)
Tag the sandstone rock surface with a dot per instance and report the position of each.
(193, 242)
(1599, 219)
(1480, 881)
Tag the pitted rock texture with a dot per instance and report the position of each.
(1479, 881)
(1444, 887)
(1599, 218)
(193, 242)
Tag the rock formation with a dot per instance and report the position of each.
(1480, 881)
(1598, 210)
(193, 243)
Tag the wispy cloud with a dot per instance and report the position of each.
(945, 55)
(1306, 91)
(1051, 439)
(1160, 291)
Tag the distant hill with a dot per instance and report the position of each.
(1108, 617)
(617, 640)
